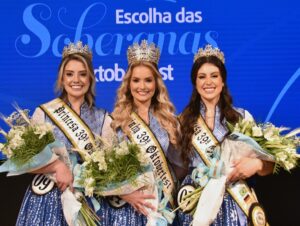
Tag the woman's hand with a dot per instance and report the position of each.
(63, 174)
(138, 200)
(245, 168)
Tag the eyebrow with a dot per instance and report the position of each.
(73, 71)
(150, 76)
(214, 72)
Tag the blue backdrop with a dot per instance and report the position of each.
(260, 40)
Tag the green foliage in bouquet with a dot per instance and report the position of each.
(119, 167)
(109, 165)
(25, 139)
(270, 139)
(32, 145)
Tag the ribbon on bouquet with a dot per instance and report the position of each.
(202, 173)
(164, 215)
(213, 181)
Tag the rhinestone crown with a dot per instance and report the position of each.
(73, 48)
(143, 52)
(209, 50)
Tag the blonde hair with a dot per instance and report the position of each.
(161, 105)
(59, 88)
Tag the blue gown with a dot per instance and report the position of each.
(230, 213)
(46, 210)
(126, 215)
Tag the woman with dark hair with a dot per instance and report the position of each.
(75, 119)
(207, 113)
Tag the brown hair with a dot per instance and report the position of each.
(191, 112)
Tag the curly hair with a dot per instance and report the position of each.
(59, 88)
(161, 105)
(192, 111)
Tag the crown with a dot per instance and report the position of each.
(209, 50)
(73, 48)
(143, 52)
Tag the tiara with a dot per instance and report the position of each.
(209, 50)
(143, 52)
(73, 48)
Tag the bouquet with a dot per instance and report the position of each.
(247, 139)
(268, 138)
(113, 169)
(119, 169)
(110, 169)
(30, 146)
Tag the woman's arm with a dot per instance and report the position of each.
(266, 169)
(247, 167)
(61, 171)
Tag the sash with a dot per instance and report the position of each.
(142, 135)
(204, 141)
(77, 132)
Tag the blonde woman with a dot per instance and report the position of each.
(144, 113)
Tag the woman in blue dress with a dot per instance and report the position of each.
(143, 96)
(76, 85)
(211, 100)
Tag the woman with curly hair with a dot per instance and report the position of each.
(144, 113)
(203, 123)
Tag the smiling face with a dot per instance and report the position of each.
(209, 83)
(142, 85)
(75, 80)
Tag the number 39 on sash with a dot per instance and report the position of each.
(41, 184)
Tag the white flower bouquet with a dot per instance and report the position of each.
(115, 169)
(247, 139)
(266, 138)
(119, 169)
(28, 145)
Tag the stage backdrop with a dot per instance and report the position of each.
(260, 40)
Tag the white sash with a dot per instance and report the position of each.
(78, 133)
(143, 136)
